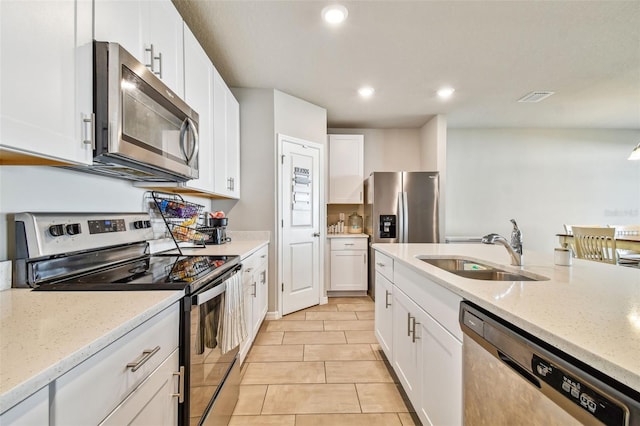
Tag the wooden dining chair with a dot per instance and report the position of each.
(597, 244)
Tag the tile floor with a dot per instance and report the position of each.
(321, 366)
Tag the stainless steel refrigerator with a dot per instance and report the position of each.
(400, 207)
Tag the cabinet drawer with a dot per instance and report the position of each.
(154, 402)
(348, 244)
(251, 263)
(89, 392)
(384, 265)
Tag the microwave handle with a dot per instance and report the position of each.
(196, 139)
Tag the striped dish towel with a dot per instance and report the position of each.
(233, 330)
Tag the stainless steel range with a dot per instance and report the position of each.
(110, 252)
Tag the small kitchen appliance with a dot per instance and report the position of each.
(218, 231)
(111, 252)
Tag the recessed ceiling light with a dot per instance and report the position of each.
(366, 91)
(335, 14)
(446, 92)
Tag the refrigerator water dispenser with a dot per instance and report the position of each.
(387, 226)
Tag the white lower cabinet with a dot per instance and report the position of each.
(121, 383)
(349, 264)
(33, 411)
(440, 401)
(426, 345)
(384, 314)
(255, 284)
(406, 345)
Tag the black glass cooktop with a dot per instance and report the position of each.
(157, 272)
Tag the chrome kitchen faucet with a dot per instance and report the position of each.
(514, 249)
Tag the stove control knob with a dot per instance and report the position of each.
(56, 230)
(73, 229)
(142, 224)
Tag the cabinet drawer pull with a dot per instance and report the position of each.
(254, 289)
(413, 330)
(386, 299)
(380, 264)
(263, 277)
(349, 244)
(248, 270)
(89, 138)
(159, 58)
(180, 393)
(408, 324)
(146, 355)
(263, 256)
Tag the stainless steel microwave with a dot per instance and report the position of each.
(143, 130)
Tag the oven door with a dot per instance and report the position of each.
(213, 375)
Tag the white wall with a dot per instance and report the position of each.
(433, 157)
(541, 177)
(51, 189)
(263, 114)
(388, 150)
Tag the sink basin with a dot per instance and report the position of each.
(494, 275)
(451, 265)
(474, 270)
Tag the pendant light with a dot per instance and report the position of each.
(635, 154)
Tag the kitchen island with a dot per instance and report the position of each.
(589, 310)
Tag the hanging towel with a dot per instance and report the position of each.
(208, 324)
(233, 329)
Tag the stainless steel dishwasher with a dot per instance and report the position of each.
(512, 378)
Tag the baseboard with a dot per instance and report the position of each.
(347, 293)
(324, 300)
(272, 316)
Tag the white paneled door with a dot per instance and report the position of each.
(299, 182)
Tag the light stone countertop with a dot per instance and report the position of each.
(242, 248)
(44, 334)
(589, 310)
(347, 236)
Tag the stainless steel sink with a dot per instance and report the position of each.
(451, 265)
(474, 270)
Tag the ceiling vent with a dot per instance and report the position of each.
(535, 96)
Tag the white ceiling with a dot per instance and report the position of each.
(492, 53)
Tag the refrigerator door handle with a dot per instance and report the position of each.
(401, 217)
(405, 219)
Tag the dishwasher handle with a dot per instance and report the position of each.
(518, 369)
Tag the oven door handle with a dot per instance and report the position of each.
(205, 296)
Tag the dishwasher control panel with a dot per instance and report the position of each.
(604, 409)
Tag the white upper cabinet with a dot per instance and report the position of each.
(198, 93)
(346, 169)
(162, 32)
(46, 82)
(226, 139)
(119, 22)
(149, 30)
